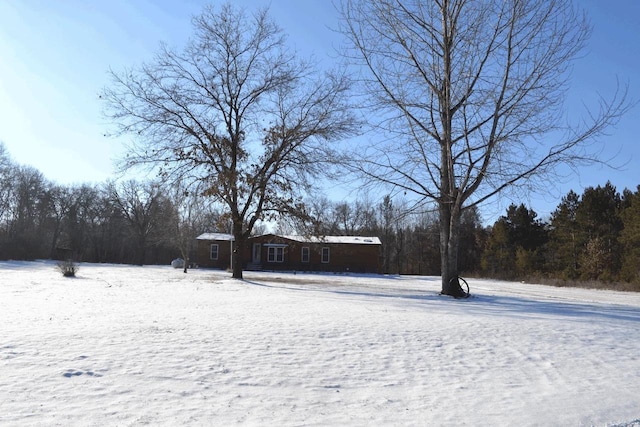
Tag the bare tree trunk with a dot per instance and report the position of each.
(185, 258)
(142, 251)
(238, 250)
(54, 239)
(449, 244)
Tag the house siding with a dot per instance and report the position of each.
(224, 253)
(363, 256)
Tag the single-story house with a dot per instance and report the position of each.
(294, 253)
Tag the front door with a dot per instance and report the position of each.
(257, 249)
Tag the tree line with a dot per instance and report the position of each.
(590, 237)
(131, 222)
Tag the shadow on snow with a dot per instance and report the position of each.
(516, 306)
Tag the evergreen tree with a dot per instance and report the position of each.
(598, 219)
(498, 256)
(630, 236)
(564, 238)
(472, 238)
(515, 245)
(525, 230)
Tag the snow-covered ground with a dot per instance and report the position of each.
(123, 345)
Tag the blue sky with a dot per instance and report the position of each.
(54, 57)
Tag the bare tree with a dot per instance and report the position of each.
(347, 217)
(468, 96)
(236, 109)
(60, 203)
(28, 209)
(7, 172)
(189, 218)
(318, 220)
(143, 207)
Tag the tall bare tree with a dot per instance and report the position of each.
(143, 206)
(237, 109)
(7, 169)
(468, 95)
(191, 215)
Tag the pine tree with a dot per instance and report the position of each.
(630, 237)
(515, 245)
(598, 220)
(564, 238)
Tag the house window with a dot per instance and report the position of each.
(305, 254)
(275, 254)
(214, 251)
(325, 255)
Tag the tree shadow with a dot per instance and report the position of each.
(497, 305)
(518, 306)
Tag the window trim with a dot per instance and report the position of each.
(275, 254)
(305, 251)
(323, 259)
(217, 246)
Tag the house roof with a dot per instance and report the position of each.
(353, 240)
(216, 236)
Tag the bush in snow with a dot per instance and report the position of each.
(68, 268)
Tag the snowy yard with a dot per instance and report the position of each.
(123, 345)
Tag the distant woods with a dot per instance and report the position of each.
(130, 222)
(592, 237)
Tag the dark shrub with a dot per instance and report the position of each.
(68, 268)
